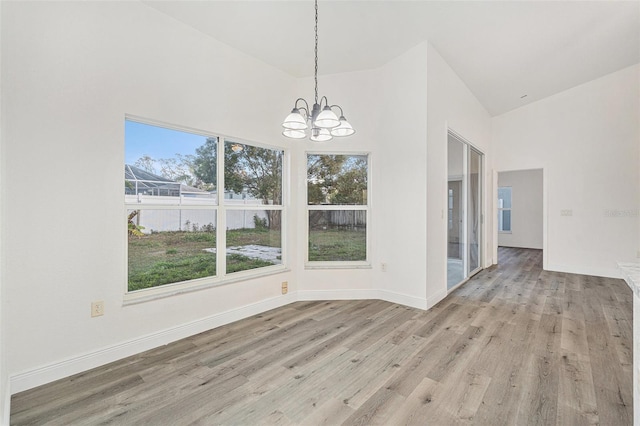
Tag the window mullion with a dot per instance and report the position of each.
(221, 234)
(337, 207)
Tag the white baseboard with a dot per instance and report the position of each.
(596, 272)
(389, 296)
(77, 364)
(349, 294)
(5, 412)
(403, 299)
(46, 374)
(436, 298)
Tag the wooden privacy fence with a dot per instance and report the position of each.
(320, 219)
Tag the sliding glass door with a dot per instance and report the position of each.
(474, 215)
(456, 247)
(464, 219)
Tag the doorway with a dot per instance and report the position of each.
(520, 202)
(464, 216)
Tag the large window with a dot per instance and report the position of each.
(181, 225)
(504, 209)
(337, 209)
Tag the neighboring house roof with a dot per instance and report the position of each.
(184, 189)
(142, 180)
(133, 173)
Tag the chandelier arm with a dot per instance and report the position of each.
(306, 113)
(339, 107)
(326, 101)
(306, 105)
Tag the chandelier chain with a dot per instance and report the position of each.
(316, 52)
(323, 122)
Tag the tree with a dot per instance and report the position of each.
(336, 179)
(351, 184)
(258, 171)
(205, 165)
(178, 169)
(146, 163)
(321, 174)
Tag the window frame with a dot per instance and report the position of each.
(502, 209)
(221, 209)
(338, 264)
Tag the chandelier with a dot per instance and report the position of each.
(324, 123)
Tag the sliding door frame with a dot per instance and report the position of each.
(466, 153)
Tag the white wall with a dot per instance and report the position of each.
(450, 105)
(401, 148)
(352, 92)
(401, 112)
(587, 140)
(5, 394)
(387, 107)
(526, 209)
(70, 73)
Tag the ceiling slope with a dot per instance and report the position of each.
(502, 50)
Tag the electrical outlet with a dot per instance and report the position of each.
(566, 212)
(383, 266)
(285, 287)
(97, 308)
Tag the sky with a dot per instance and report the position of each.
(157, 142)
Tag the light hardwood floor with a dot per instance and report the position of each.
(513, 346)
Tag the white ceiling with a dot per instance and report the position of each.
(502, 50)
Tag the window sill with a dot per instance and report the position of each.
(505, 232)
(168, 290)
(337, 265)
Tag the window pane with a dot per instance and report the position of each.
(169, 246)
(504, 197)
(337, 235)
(252, 175)
(168, 166)
(337, 179)
(253, 239)
(504, 220)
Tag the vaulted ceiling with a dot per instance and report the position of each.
(502, 50)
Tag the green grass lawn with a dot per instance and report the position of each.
(169, 257)
(337, 245)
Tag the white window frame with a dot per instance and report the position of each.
(342, 264)
(449, 209)
(502, 209)
(221, 277)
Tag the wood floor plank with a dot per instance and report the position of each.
(577, 403)
(377, 409)
(417, 406)
(514, 345)
(332, 412)
(539, 399)
(574, 336)
(473, 390)
(504, 354)
(621, 329)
